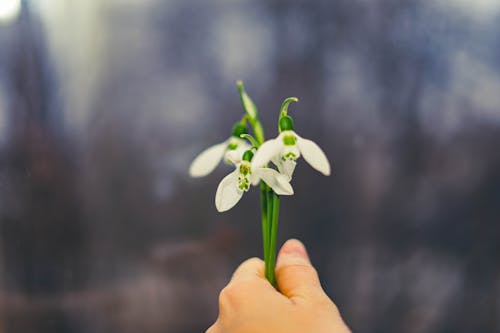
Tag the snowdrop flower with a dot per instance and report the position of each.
(230, 151)
(232, 187)
(287, 148)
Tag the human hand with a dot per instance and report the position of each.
(250, 304)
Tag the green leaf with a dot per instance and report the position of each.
(246, 101)
(258, 131)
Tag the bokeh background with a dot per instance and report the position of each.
(103, 105)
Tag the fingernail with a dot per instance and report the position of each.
(295, 247)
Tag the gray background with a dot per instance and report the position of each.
(103, 105)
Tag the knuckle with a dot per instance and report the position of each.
(225, 295)
(230, 294)
(235, 293)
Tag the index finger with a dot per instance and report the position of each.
(252, 268)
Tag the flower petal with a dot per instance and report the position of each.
(208, 159)
(234, 156)
(286, 168)
(275, 180)
(228, 194)
(313, 155)
(266, 152)
(255, 179)
(244, 147)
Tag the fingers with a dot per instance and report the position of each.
(250, 268)
(295, 275)
(246, 284)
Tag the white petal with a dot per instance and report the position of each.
(254, 179)
(286, 168)
(278, 182)
(234, 156)
(266, 152)
(228, 194)
(313, 154)
(243, 146)
(208, 159)
(289, 168)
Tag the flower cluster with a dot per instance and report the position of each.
(269, 164)
(252, 160)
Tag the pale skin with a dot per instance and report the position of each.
(249, 304)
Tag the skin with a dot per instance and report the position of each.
(249, 304)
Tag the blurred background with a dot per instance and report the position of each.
(104, 104)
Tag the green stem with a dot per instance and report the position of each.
(266, 194)
(252, 140)
(265, 224)
(273, 237)
(286, 103)
(267, 261)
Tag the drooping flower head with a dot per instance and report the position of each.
(285, 149)
(234, 185)
(228, 151)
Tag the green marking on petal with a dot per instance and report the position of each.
(243, 183)
(232, 146)
(289, 157)
(245, 169)
(289, 140)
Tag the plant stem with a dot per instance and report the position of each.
(273, 237)
(267, 261)
(265, 223)
(267, 196)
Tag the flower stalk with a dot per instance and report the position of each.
(269, 199)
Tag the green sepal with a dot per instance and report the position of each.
(285, 124)
(247, 102)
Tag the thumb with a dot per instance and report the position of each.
(295, 275)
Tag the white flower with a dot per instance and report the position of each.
(232, 187)
(286, 149)
(230, 151)
(286, 168)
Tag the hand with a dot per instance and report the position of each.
(249, 304)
